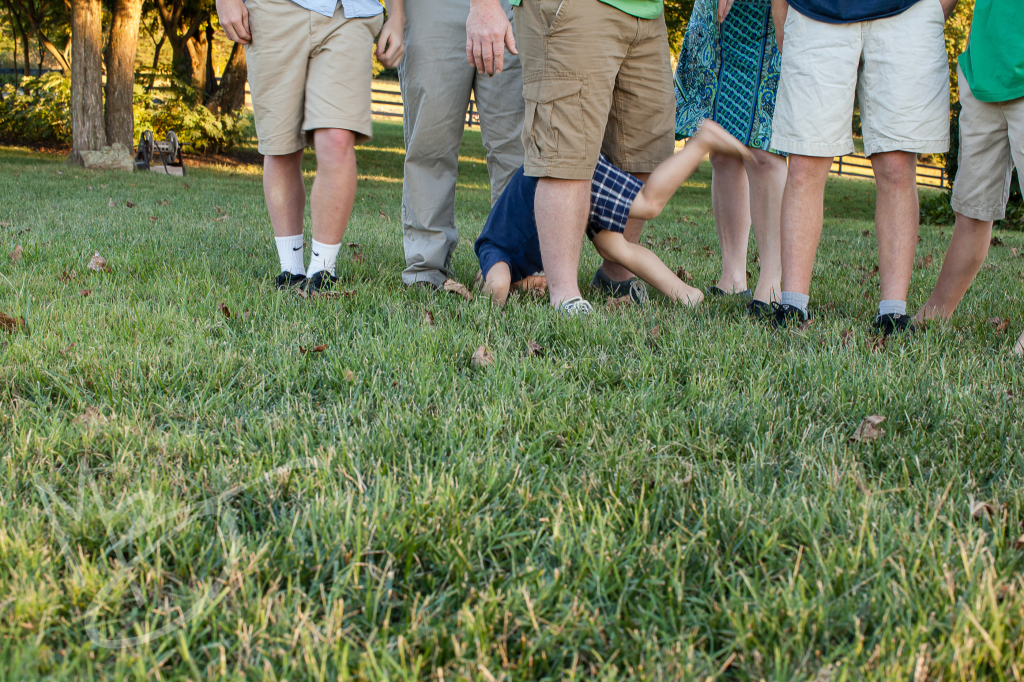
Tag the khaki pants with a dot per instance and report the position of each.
(436, 83)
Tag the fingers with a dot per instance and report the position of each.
(238, 32)
(390, 50)
(488, 55)
(498, 57)
(510, 40)
(478, 56)
(246, 34)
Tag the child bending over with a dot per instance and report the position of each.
(509, 252)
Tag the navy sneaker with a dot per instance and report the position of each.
(603, 282)
(759, 310)
(319, 282)
(287, 279)
(784, 315)
(894, 323)
(718, 293)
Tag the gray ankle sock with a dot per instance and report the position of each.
(798, 301)
(892, 307)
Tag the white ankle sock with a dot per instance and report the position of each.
(798, 301)
(291, 253)
(892, 307)
(324, 257)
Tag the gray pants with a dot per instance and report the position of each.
(436, 83)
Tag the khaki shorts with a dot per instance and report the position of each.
(308, 71)
(594, 79)
(991, 141)
(896, 67)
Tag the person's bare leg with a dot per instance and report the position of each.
(766, 175)
(285, 193)
(497, 283)
(967, 251)
(634, 228)
(561, 208)
(613, 247)
(730, 202)
(897, 215)
(802, 216)
(334, 189)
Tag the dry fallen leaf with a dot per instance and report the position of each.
(1013, 251)
(129, 204)
(684, 275)
(315, 349)
(358, 257)
(352, 245)
(534, 349)
(482, 357)
(153, 218)
(656, 332)
(6, 224)
(9, 324)
(1000, 323)
(869, 429)
(385, 216)
(112, 203)
(619, 303)
(98, 263)
(64, 351)
(451, 286)
(219, 210)
(186, 185)
(223, 217)
(924, 262)
(865, 233)
(868, 274)
(66, 276)
(84, 292)
(349, 375)
(428, 317)
(844, 337)
(805, 325)
(92, 415)
(246, 314)
(980, 509)
(877, 344)
(16, 254)
(478, 281)
(224, 310)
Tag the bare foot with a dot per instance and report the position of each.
(688, 296)
(717, 140)
(1018, 349)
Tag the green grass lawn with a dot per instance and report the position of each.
(663, 494)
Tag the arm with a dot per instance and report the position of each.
(391, 42)
(234, 17)
(488, 32)
(948, 6)
(780, 8)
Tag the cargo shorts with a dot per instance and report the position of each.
(595, 79)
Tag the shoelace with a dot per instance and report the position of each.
(575, 306)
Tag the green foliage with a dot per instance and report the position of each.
(958, 30)
(37, 112)
(677, 15)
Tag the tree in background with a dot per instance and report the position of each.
(87, 127)
(119, 118)
(677, 15)
(44, 18)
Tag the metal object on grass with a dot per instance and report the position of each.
(163, 156)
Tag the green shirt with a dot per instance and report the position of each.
(993, 62)
(642, 9)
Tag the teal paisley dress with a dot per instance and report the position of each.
(729, 73)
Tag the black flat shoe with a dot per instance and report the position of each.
(759, 310)
(785, 315)
(319, 282)
(894, 323)
(287, 279)
(717, 293)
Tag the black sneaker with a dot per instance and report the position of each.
(894, 323)
(784, 315)
(759, 310)
(718, 293)
(603, 282)
(319, 282)
(287, 279)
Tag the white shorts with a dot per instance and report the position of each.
(991, 140)
(896, 67)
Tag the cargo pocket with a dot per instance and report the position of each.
(554, 116)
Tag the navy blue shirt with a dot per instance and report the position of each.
(510, 234)
(850, 11)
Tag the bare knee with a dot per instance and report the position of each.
(766, 162)
(498, 282)
(334, 145)
(895, 169)
(808, 171)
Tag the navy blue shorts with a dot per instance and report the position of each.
(612, 193)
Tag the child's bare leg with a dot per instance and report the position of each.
(645, 265)
(534, 283)
(674, 171)
(497, 283)
(966, 253)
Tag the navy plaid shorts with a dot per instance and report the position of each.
(612, 192)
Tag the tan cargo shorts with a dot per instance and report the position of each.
(594, 79)
(896, 67)
(991, 141)
(308, 71)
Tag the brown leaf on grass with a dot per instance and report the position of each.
(868, 274)
(1000, 323)
(315, 349)
(805, 325)
(153, 218)
(162, 202)
(66, 276)
(98, 263)
(129, 204)
(844, 337)
(451, 286)
(534, 349)
(869, 429)
(246, 314)
(219, 210)
(619, 303)
(111, 203)
(10, 324)
(865, 233)
(84, 292)
(683, 274)
(358, 257)
(877, 344)
(980, 509)
(91, 416)
(352, 245)
(923, 262)
(224, 310)
(223, 217)
(186, 185)
(6, 224)
(65, 351)
(1013, 251)
(349, 375)
(482, 357)
(478, 281)
(428, 317)
(656, 332)
(996, 241)
(385, 216)
(16, 254)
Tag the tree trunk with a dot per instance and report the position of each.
(231, 92)
(198, 48)
(28, 51)
(156, 62)
(124, 39)
(87, 130)
(170, 13)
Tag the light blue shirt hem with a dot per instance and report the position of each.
(353, 9)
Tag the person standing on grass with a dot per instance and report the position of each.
(991, 76)
(436, 86)
(891, 55)
(729, 73)
(310, 67)
(597, 77)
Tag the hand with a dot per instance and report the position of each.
(234, 17)
(723, 9)
(780, 10)
(948, 6)
(488, 32)
(391, 41)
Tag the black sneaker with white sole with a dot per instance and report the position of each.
(894, 323)
(319, 282)
(784, 315)
(288, 279)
